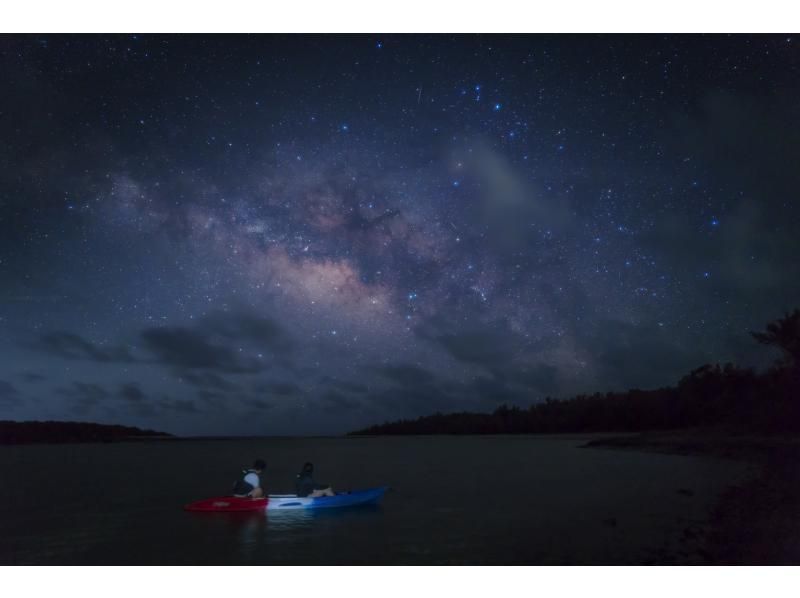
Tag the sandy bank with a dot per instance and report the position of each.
(756, 522)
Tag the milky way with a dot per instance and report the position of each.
(282, 235)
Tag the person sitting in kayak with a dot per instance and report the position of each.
(250, 483)
(306, 486)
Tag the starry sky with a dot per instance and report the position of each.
(309, 234)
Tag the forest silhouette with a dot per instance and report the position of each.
(728, 397)
(12, 432)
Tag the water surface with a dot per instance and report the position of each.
(454, 500)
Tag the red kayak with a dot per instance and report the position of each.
(228, 503)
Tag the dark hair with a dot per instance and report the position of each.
(259, 464)
(308, 467)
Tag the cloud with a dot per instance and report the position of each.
(258, 404)
(228, 342)
(746, 138)
(32, 377)
(625, 356)
(510, 206)
(136, 400)
(542, 378)
(72, 346)
(131, 392)
(209, 380)
(406, 374)
(8, 393)
(744, 143)
(277, 388)
(336, 402)
(214, 342)
(491, 345)
(187, 348)
(239, 326)
(415, 401)
(344, 385)
(519, 367)
(186, 406)
(84, 397)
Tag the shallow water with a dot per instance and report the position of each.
(454, 500)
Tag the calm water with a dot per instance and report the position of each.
(471, 500)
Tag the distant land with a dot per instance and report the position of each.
(728, 397)
(55, 432)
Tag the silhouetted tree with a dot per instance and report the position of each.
(784, 334)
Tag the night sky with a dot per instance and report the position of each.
(302, 235)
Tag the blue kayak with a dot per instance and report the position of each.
(285, 502)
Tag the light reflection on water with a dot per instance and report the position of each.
(295, 519)
(252, 530)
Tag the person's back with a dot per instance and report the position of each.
(306, 486)
(250, 482)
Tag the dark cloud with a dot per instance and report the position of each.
(85, 397)
(185, 406)
(73, 346)
(244, 326)
(491, 345)
(131, 392)
(259, 404)
(136, 400)
(493, 348)
(212, 398)
(641, 356)
(493, 391)
(8, 393)
(541, 378)
(336, 402)
(209, 381)
(32, 377)
(217, 343)
(411, 402)
(277, 388)
(345, 385)
(187, 348)
(406, 374)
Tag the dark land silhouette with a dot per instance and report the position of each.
(728, 397)
(28, 432)
(715, 410)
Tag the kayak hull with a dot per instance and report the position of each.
(289, 502)
(286, 502)
(227, 504)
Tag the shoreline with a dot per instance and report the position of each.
(755, 522)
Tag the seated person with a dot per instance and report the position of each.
(306, 486)
(250, 483)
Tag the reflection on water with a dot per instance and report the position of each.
(339, 516)
(255, 531)
(280, 521)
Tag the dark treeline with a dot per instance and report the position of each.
(712, 395)
(57, 432)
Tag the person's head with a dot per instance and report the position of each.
(259, 465)
(308, 468)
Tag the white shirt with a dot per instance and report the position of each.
(252, 479)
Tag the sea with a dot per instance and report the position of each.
(453, 500)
